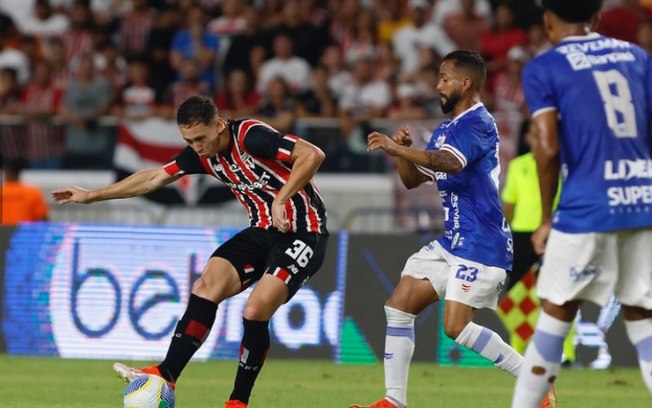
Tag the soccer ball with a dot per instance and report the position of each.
(148, 391)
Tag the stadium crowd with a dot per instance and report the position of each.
(351, 60)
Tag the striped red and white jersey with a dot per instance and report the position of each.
(255, 168)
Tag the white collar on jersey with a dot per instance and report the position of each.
(474, 107)
(589, 36)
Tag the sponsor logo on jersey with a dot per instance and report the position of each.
(628, 169)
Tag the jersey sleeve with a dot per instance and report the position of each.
(267, 143)
(538, 88)
(186, 162)
(469, 142)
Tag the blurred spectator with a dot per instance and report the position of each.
(55, 54)
(43, 22)
(238, 98)
(318, 100)
(364, 39)
(158, 48)
(364, 99)
(10, 91)
(278, 106)
(246, 51)
(32, 48)
(343, 18)
(307, 41)
(391, 20)
(20, 202)
(137, 99)
(466, 26)
(40, 101)
(388, 66)
(190, 83)
(499, 39)
(270, 12)
(422, 82)
(112, 66)
(232, 20)
(135, 29)
(338, 76)
(15, 59)
(196, 43)
(622, 20)
(507, 90)
(645, 36)
(537, 40)
(86, 98)
(77, 40)
(408, 105)
(444, 8)
(408, 41)
(294, 70)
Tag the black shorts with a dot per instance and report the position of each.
(292, 257)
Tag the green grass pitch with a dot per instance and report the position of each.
(49, 382)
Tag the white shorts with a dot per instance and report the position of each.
(593, 266)
(457, 279)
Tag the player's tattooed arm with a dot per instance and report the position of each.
(439, 160)
(444, 161)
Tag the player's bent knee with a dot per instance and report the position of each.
(454, 328)
(258, 311)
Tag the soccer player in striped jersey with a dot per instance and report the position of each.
(271, 175)
(591, 102)
(466, 266)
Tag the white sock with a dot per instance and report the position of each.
(399, 348)
(541, 363)
(640, 334)
(490, 346)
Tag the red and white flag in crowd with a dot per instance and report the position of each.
(154, 142)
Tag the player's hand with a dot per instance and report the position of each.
(402, 137)
(279, 217)
(72, 194)
(377, 141)
(540, 238)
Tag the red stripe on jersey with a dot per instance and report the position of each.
(260, 205)
(207, 166)
(172, 169)
(196, 330)
(290, 214)
(244, 128)
(283, 155)
(265, 212)
(284, 173)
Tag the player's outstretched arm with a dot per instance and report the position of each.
(306, 159)
(437, 160)
(142, 182)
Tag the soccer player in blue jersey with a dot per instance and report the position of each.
(467, 265)
(591, 102)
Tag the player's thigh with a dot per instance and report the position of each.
(268, 295)
(219, 280)
(474, 284)
(429, 265)
(295, 258)
(412, 295)
(634, 287)
(247, 252)
(581, 266)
